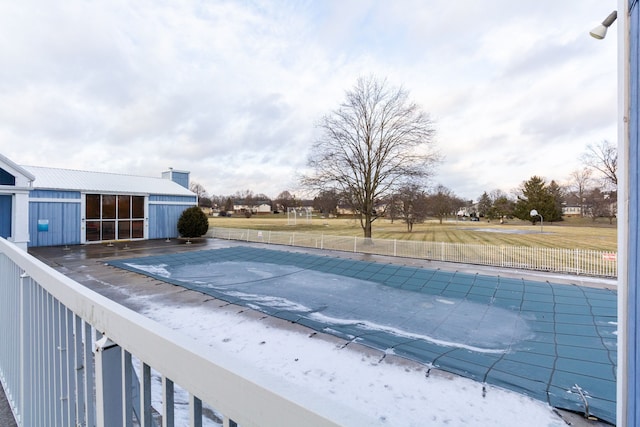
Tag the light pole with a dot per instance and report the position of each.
(535, 213)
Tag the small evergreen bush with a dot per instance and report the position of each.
(193, 222)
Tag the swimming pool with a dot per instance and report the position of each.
(553, 342)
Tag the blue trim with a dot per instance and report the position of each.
(633, 249)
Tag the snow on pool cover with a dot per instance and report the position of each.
(553, 342)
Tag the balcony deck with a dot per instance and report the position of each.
(86, 264)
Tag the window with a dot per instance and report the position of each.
(114, 217)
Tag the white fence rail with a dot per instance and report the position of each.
(67, 357)
(574, 261)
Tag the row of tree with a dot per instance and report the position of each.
(375, 155)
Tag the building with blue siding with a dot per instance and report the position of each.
(42, 206)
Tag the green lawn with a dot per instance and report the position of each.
(571, 233)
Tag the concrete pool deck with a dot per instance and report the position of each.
(567, 347)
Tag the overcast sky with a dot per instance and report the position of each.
(232, 90)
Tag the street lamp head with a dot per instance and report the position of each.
(533, 212)
(600, 31)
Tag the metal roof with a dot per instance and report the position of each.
(103, 182)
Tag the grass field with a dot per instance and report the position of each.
(571, 233)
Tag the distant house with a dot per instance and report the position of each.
(571, 210)
(259, 207)
(41, 206)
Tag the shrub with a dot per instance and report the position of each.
(193, 222)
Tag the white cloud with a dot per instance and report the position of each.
(231, 91)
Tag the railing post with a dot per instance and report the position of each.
(145, 396)
(89, 374)
(109, 411)
(80, 370)
(128, 391)
(167, 399)
(229, 423)
(195, 411)
(25, 356)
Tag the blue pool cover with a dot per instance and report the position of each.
(553, 342)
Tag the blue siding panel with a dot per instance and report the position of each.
(181, 178)
(64, 223)
(51, 194)
(163, 220)
(632, 416)
(177, 199)
(5, 215)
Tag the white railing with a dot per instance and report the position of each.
(574, 261)
(67, 358)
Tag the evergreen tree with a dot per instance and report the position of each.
(484, 205)
(193, 222)
(558, 197)
(536, 194)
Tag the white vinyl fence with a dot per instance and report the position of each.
(67, 358)
(574, 261)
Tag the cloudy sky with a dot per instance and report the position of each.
(232, 90)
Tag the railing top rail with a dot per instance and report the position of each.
(212, 376)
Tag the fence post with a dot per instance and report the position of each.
(395, 245)
(109, 411)
(355, 244)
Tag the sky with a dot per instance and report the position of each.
(232, 91)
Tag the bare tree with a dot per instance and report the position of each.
(285, 200)
(603, 157)
(326, 202)
(373, 143)
(442, 202)
(197, 188)
(201, 192)
(412, 203)
(580, 182)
